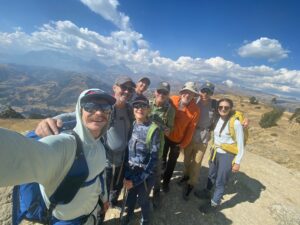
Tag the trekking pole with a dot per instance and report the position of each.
(125, 195)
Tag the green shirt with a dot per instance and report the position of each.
(164, 115)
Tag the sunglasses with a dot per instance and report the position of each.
(225, 108)
(93, 107)
(140, 106)
(162, 92)
(126, 88)
(207, 91)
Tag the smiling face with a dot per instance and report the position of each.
(95, 116)
(141, 112)
(161, 96)
(186, 96)
(224, 108)
(123, 92)
(205, 95)
(141, 87)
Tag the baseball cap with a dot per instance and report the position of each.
(95, 94)
(163, 86)
(123, 80)
(208, 85)
(140, 99)
(145, 79)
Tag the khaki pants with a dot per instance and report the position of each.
(193, 155)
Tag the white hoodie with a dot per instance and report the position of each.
(23, 160)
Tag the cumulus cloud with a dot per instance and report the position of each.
(108, 10)
(266, 48)
(127, 47)
(228, 83)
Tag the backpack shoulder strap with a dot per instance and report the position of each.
(214, 104)
(231, 127)
(166, 112)
(74, 179)
(150, 132)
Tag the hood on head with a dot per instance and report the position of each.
(80, 129)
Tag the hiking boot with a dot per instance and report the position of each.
(203, 194)
(208, 207)
(183, 180)
(125, 220)
(165, 187)
(156, 201)
(186, 191)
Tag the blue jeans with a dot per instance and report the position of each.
(141, 194)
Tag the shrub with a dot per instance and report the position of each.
(253, 100)
(269, 119)
(273, 101)
(296, 115)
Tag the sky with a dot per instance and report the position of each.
(242, 42)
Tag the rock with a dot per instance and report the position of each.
(8, 112)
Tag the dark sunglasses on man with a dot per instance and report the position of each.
(140, 105)
(93, 107)
(127, 88)
(207, 91)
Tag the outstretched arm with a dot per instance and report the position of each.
(24, 160)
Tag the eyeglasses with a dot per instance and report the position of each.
(93, 107)
(225, 108)
(162, 92)
(207, 91)
(140, 106)
(126, 88)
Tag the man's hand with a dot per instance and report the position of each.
(128, 184)
(235, 168)
(48, 127)
(105, 206)
(245, 123)
(166, 131)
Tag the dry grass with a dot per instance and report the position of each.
(19, 125)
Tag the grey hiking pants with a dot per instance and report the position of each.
(219, 174)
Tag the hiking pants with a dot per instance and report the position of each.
(173, 149)
(193, 155)
(157, 178)
(141, 194)
(114, 182)
(219, 172)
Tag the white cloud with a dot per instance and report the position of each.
(228, 83)
(108, 10)
(264, 47)
(127, 47)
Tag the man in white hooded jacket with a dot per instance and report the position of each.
(23, 160)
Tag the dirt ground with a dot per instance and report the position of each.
(265, 191)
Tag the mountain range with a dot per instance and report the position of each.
(47, 90)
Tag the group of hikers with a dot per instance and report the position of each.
(84, 159)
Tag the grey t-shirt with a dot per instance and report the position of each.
(117, 134)
(202, 133)
(117, 137)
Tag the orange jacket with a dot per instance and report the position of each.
(185, 122)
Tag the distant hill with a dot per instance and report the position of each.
(47, 91)
(32, 89)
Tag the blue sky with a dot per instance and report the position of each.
(253, 42)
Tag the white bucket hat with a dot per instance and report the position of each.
(190, 86)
